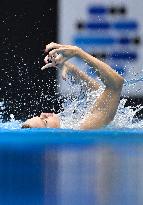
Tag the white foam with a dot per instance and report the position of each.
(75, 108)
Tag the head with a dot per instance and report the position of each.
(46, 120)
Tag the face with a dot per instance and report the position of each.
(46, 120)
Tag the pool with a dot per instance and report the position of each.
(66, 167)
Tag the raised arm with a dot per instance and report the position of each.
(104, 110)
(110, 77)
(90, 82)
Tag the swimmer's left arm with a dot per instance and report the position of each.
(90, 82)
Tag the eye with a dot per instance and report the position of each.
(46, 122)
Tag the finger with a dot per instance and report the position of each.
(59, 58)
(46, 59)
(52, 46)
(58, 50)
(49, 65)
(55, 55)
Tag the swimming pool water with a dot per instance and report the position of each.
(66, 167)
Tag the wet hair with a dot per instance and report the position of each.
(25, 126)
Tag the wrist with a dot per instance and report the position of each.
(84, 55)
(78, 51)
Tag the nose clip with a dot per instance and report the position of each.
(46, 115)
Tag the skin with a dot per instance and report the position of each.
(46, 120)
(104, 110)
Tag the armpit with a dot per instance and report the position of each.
(93, 121)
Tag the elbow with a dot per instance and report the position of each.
(118, 83)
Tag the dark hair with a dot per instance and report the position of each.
(26, 126)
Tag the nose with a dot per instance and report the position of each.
(46, 115)
(49, 114)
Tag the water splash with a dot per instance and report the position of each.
(124, 117)
(12, 124)
(75, 107)
(133, 81)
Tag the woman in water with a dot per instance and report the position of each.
(104, 109)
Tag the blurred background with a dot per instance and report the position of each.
(109, 30)
(102, 174)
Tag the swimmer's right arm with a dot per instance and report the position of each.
(110, 78)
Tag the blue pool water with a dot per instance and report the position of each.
(68, 167)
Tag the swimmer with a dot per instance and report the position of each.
(104, 109)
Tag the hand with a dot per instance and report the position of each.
(56, 61)
(58, 54)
